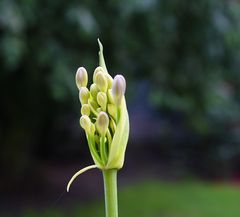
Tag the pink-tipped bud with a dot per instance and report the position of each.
(102, 123)
(81, 77)
(118, 89)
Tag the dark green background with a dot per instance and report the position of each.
(181, 60)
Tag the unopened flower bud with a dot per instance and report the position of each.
(94, 90)
(84, 95)
(102, 100)
(85, 110)
(96, 71)
(81, 77)
(104, 117)
(85, 123)
(102, 123)
(118, 89)
(101, 81)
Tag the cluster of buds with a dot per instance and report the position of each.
(104, 116)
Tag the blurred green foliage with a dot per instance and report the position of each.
(188, 51)
(151, 199)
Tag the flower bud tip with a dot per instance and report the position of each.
(102, 123)
(102, 100)
(85, 110)
(85, 123)
(101, 81)
(84, 95)
(118, 88)
(81, 77)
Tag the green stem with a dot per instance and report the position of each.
(103, 151)
(110, 191)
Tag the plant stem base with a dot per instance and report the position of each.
(110, 192)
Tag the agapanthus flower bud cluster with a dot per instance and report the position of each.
(101, 111)
(104, 117)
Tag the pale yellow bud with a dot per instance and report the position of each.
(118, 89)
(102, 100)
(102, 70)
(102, 123)
(94, 90)
(81, 77)
(84, 95)
(101, 81)
(96, 71)
(85, 123)
(85, 110)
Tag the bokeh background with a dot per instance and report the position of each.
(181, 60)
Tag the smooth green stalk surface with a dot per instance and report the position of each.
(110, 191)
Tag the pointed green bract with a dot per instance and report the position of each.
(120, 139)
(101, 57)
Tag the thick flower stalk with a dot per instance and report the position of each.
(104, 117)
